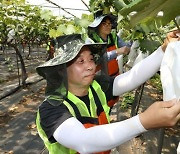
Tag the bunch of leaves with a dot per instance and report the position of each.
(148, 21)
(147, 11)
(71, 26)
(148, 41)
(118, 5)
(127, 100)
(105, 5)
(14, 2)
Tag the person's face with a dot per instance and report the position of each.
(105, 27)
(81, 70)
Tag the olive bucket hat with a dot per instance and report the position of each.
(68, 47)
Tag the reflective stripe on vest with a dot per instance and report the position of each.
(103, 118)
(112, 39)
(53, 148)
(93, 108)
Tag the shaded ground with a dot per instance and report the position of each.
(18, 129)
(18, 108)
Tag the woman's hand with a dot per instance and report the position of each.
(171, 37)
(161, 114)
(123, 50)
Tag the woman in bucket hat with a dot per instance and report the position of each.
(101, 31)
(74, 116)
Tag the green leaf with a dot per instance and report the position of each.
(52, 33)
(61, 28)
(119, 4)
(147, 11)
(149, 45)
(83, 22)
(70, 29)
(46, 14)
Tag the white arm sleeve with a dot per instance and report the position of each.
(140, 73)
(72, 134)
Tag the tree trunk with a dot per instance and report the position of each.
(29, 51)
(23, 69)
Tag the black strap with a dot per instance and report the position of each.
(76, 110)
(91, 120)
(83, 120)
(96, 99)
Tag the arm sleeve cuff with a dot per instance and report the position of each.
(111, 55)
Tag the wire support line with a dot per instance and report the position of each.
(85, 4)
(63, 8)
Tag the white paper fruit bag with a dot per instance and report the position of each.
(170, 71)
(133, 53)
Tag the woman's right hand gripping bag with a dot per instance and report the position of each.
(170, 72)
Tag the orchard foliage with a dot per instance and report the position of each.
(147, 21)
(150, 12)
(144, 20)
(139, 19)
(22, 24)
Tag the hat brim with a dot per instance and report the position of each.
(70, 51)
(97, 21)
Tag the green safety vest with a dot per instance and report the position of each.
(56, 148)
(112, 39)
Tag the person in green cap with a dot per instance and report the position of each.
(74, 117)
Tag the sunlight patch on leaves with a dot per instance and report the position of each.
(46, 14)
(70, 29)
